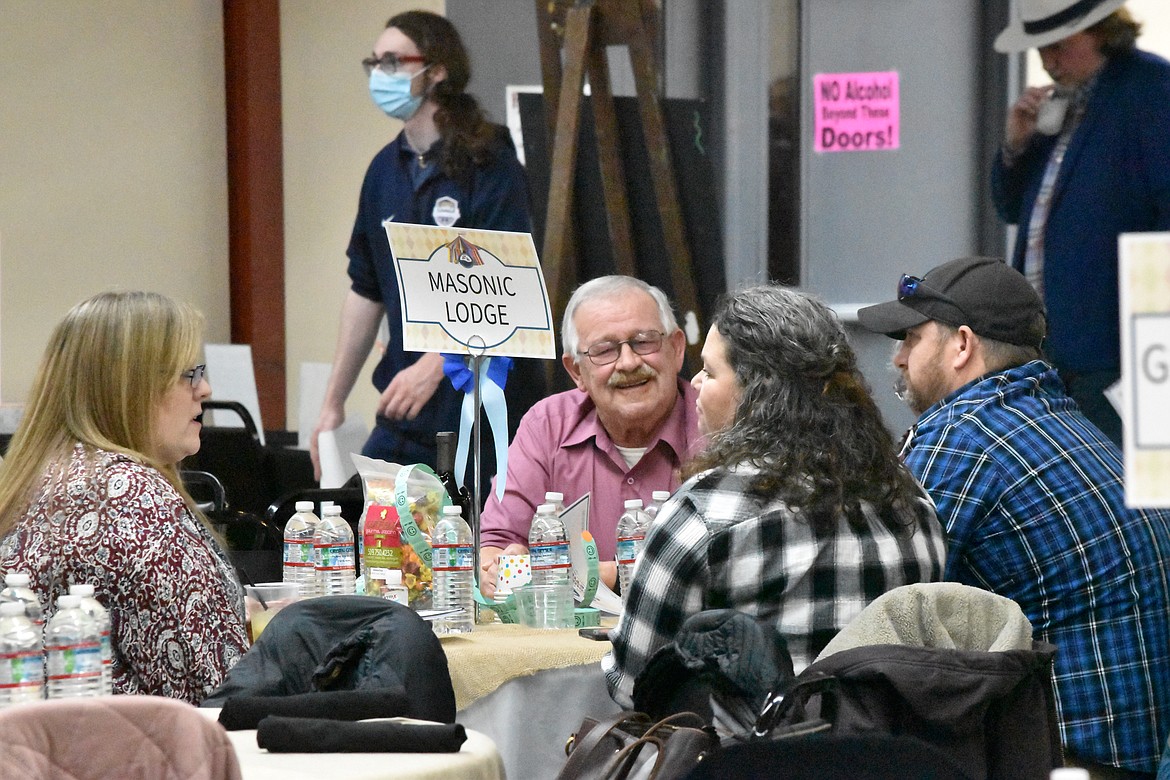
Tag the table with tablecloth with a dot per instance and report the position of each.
(492, 654)
(527, 689)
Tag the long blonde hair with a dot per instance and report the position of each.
(107, 366)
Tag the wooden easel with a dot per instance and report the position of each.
(583, 28)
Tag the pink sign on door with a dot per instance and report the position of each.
(856, 112)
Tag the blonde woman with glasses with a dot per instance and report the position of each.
(90, 493)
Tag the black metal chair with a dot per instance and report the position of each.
(254, 544)
(349, 497)
(206, 489)
(236, 456)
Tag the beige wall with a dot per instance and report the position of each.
(1155, 17)
(331, 132)
(112, 163)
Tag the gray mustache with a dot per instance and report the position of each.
(641, 374)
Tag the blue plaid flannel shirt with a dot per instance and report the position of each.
(1034, 506)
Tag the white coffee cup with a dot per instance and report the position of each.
(1050, 116)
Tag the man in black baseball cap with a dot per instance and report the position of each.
(1031, 494)
(983, 293)
(985, 310)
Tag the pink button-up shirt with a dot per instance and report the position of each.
(561, 446)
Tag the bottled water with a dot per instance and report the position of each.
(333, 553)
(631, 535)
(453, 567)
(16, 588)
(557, 500)
(657, 499)
(73, 658)
(548, 548)
(22, 657)
(92, 607)
(318, 589)
(299, 567)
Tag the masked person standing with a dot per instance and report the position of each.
(449, 167)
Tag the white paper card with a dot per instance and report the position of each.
(467, 291)
(1115, 394)
(335, 449)
(313, 380)
(576, 519)
(232, 378)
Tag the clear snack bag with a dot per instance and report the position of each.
(400, 538)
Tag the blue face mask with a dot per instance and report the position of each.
(391, 93)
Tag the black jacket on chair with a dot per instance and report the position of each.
(338, 643)
(991, 713)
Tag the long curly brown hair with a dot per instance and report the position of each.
(805, 420)
(469, 139)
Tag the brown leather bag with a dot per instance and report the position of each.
(632, 745)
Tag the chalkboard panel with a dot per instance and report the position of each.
(687, 128)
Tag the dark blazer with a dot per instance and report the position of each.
(1115, 179)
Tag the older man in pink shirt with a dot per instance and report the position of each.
(622, 434)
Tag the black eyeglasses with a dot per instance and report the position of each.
(195, 375)
(913, 287)
(605, 352)
(390, 63)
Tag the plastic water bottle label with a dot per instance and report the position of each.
(74, 661)
(550, 556)
(627, 548)
(298, 553)
(24, 669)
(542, 556)
(334, 557)
(561, 558)
(452, 557)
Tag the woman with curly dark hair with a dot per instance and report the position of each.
(449, 167)
(797, 512)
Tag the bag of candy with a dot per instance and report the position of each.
(402, 506)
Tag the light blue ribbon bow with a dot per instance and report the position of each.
(493, 375)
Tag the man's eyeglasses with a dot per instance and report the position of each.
(195, 375)
(605, 352)
(390, 63)
(913, 287)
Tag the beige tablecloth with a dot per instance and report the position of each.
(477, 760)
(492, 654)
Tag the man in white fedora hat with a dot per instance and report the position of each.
(1083, 159)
